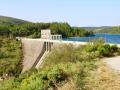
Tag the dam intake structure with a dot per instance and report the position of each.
(35, 50)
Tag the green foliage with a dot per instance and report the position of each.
(110, 30)
(33, 30)
(76, 68)
(11, 21)
(104, 50)
(77, 65)
(74, 61)
(10, 57)
(44, 79)
(94, 44)
(114, 48)
(61, 28)
(11, 84)
(80, 32)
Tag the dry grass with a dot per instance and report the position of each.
(103, 79)
(70, 85)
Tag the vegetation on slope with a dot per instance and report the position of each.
(12, 27)
(112, 30)
(11, 21)
(33, 30)
(10, 57)
(103, 50)
(69, 67)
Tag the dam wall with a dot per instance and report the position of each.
(31, 51)
(35, 50)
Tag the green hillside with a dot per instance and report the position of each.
(67, 67)
(12, 27)
(104, 29)
(11, 21)
(111, 30)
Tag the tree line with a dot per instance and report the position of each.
(33, 30)
(109, 30)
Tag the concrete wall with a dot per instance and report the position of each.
(46, 34)
(31, 50)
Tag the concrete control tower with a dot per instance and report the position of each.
(46, 34)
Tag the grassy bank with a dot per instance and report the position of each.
(69, 67)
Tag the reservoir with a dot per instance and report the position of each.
(109, 38)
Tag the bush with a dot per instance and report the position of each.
(10, 57)
(114, 48)
(76, 70)
(104, 50)
(91, 48)
(42, 80)
(11, 84)
(94, 44)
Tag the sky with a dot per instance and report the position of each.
(76, 12)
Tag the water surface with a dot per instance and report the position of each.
(109, 38)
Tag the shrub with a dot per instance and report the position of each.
(91, 48)
(104, 50)
(44, 79)
(114, 48)
(11, 84)
(10, 57)
(94, 44)
(56, 75)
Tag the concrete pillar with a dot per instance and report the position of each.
(48, 46)
(54, 37)
(59, 37)
(45, 46)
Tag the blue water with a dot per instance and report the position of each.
(109, 38)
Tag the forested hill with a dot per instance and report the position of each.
(11, 21)
(104, 29)
(97, 28)
(110, 30)
(12, 27)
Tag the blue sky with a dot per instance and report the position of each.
(75, 12)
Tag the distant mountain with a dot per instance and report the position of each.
(11, 21)
(97, 28)
(110, 30)
(105, 29)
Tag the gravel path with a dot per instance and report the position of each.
(113, 62)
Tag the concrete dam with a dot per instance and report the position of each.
(35, 50)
